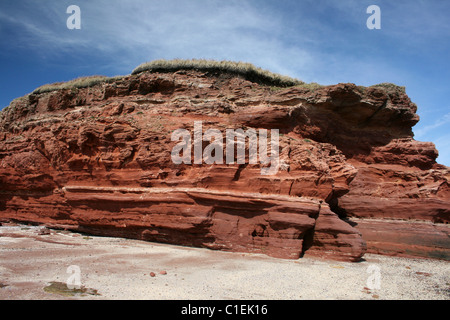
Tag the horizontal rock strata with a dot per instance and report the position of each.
(98, 160)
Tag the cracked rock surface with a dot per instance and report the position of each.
(351, 178)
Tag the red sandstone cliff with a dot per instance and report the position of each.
(351, 179)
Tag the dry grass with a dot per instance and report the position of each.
(82, 82)
(246, 70)
(390, 87)
(311, 86)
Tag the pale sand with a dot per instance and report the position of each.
(120, 269)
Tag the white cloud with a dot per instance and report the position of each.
(140, 30)
(443, 146)
(437, 132)
(422, 132)
(324, 41)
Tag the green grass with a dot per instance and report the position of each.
(61, 288)
(82, 82)
(311, 86)
(247, 70)
(390, 87)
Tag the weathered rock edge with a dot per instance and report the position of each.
(97, 160)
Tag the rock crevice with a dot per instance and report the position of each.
(98, 160)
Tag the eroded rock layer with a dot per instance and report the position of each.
(350, 176)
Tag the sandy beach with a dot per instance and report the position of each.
(36, 262)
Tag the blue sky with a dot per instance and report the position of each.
(324, 41)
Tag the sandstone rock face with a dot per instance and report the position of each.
(350, 175)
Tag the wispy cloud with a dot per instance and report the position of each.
(423, 131)
(140, 30)
(443, 146)
(323, 41)
(261, 32)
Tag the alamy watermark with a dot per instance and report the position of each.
(374, 21)
(74, 280)
(259, 150)
(74, 20)
(374, 280)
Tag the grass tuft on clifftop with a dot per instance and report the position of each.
(243, 69)
(82, 82)
(247, 70)
(390, 87)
